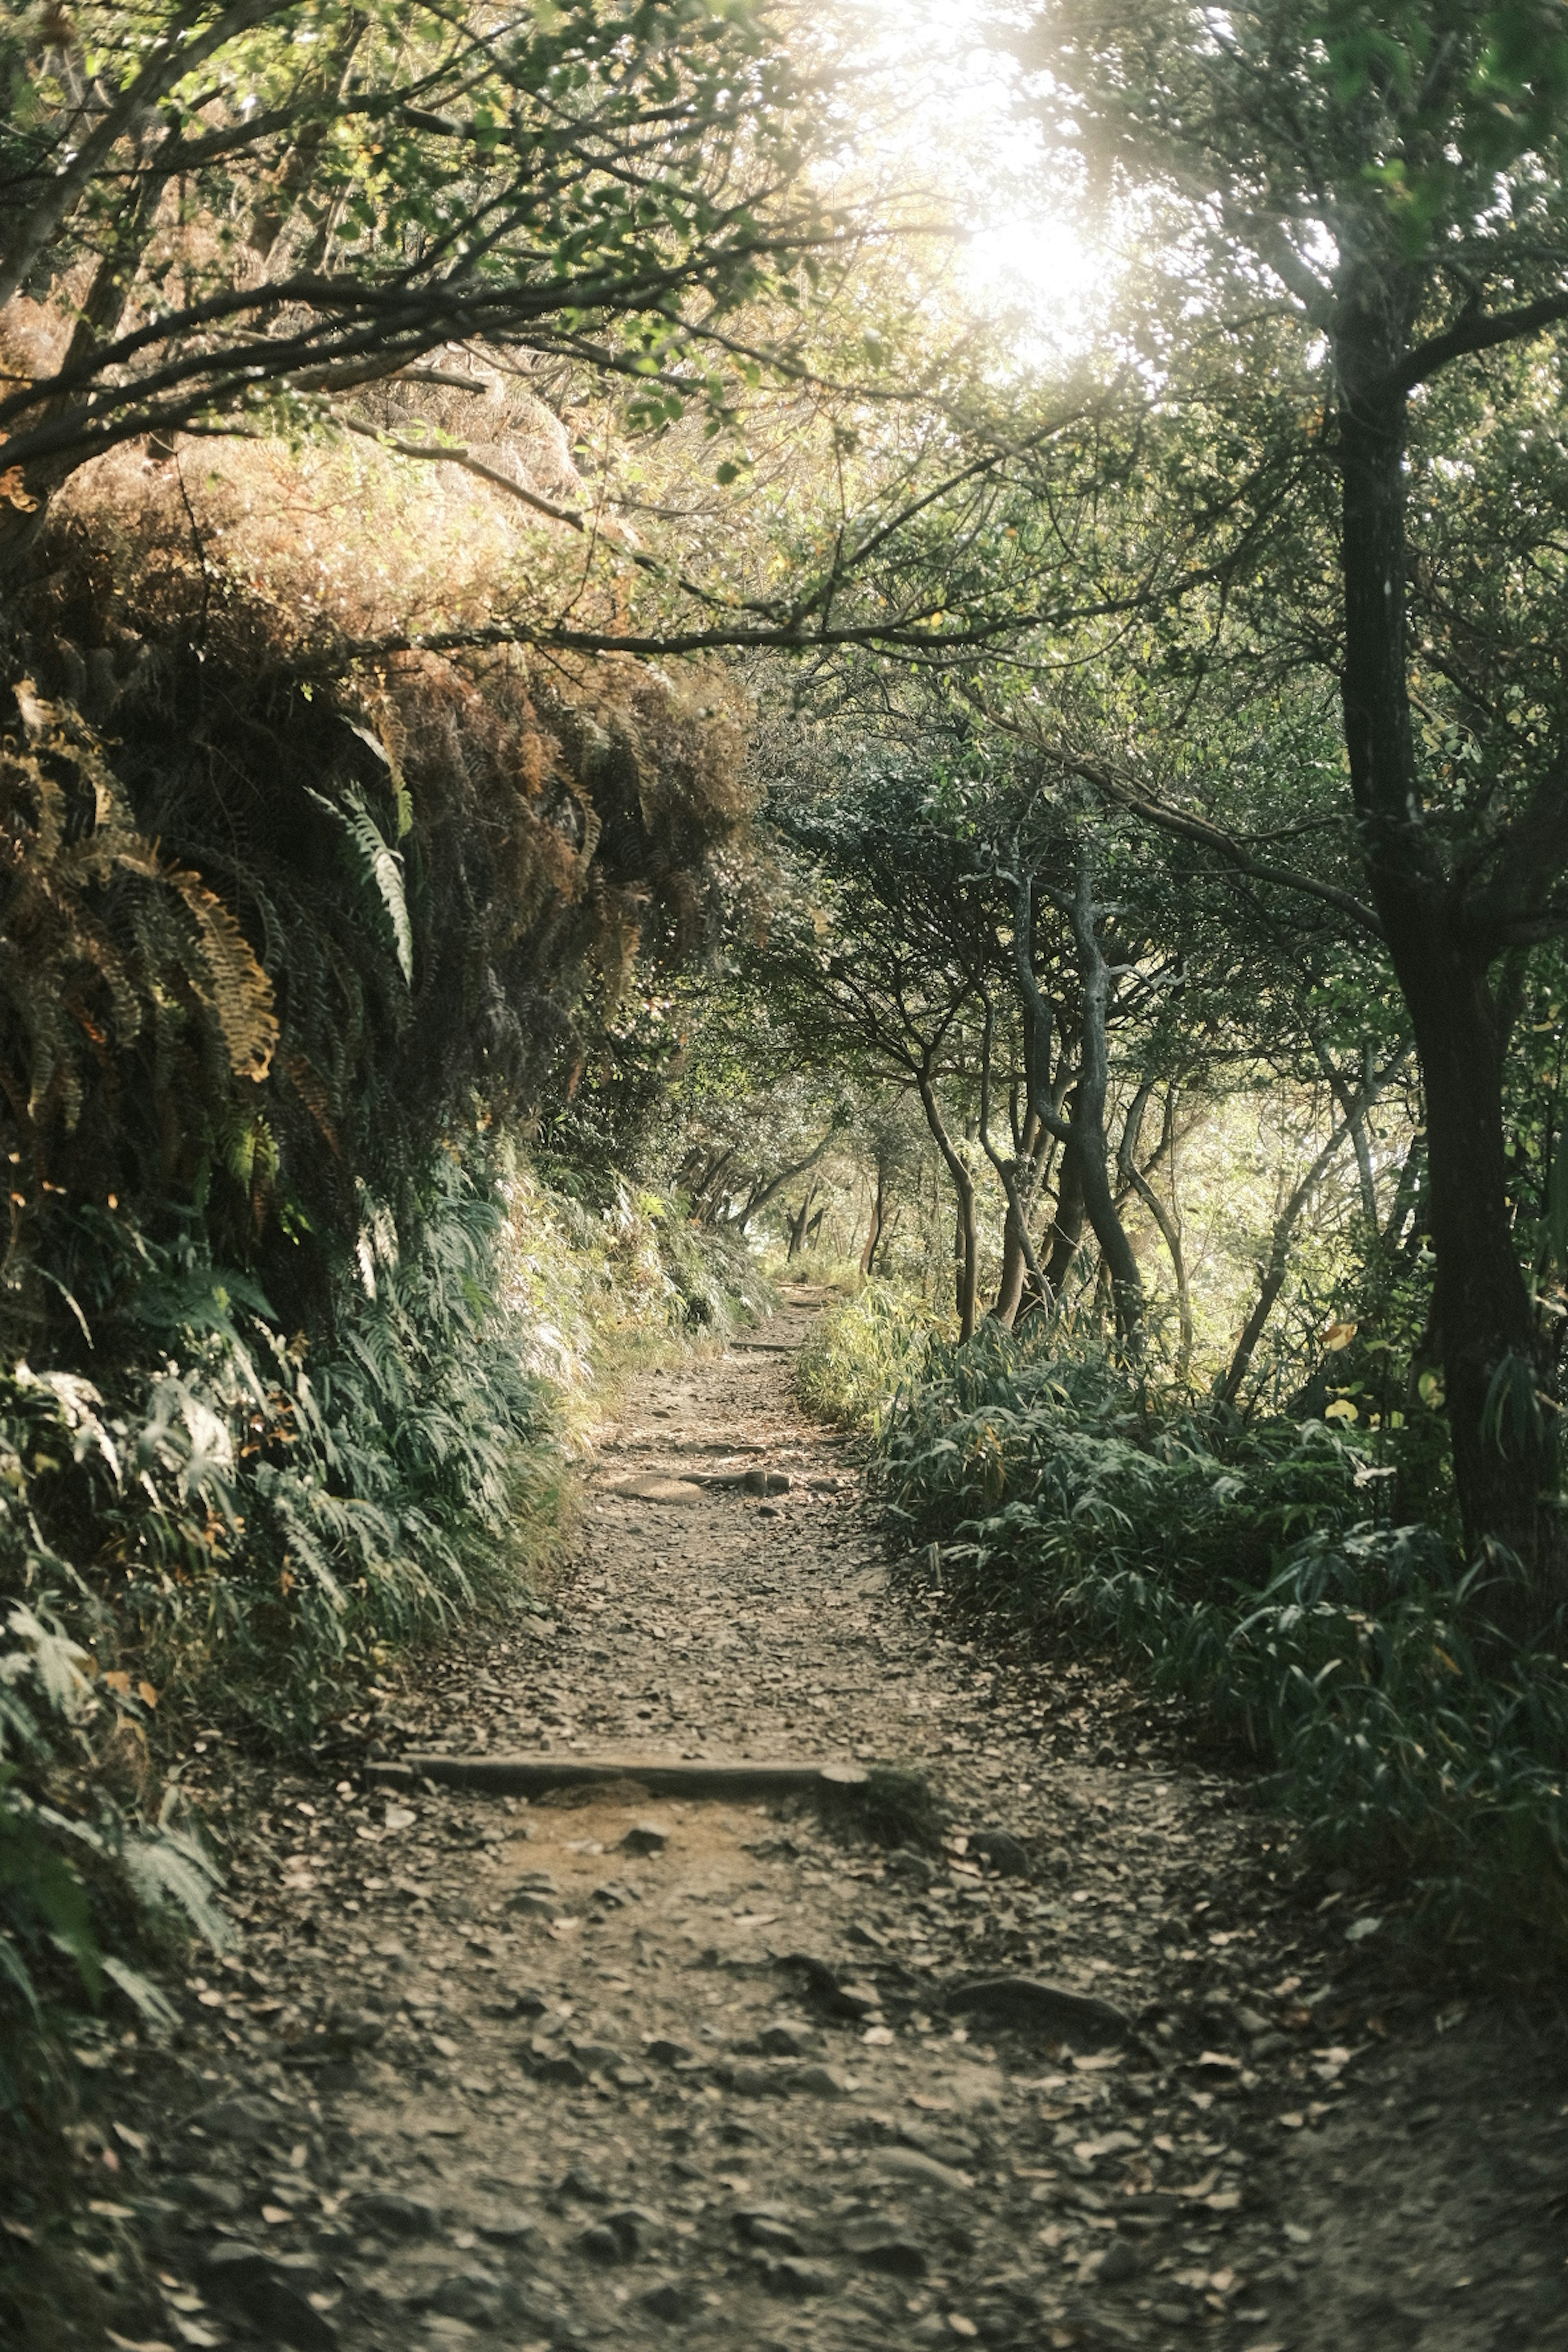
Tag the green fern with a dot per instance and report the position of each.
(381, 866)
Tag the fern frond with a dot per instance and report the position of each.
(241, 996)
(381, 866)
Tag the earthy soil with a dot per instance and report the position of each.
(634, 2071)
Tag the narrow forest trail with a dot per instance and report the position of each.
(499, 2073)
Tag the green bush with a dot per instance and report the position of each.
(859, 1355)
(227, 1519)
(1044, 1467)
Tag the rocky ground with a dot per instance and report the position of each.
(637, 2072)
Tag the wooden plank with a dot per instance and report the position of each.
(766, 1347)
(529, 1776)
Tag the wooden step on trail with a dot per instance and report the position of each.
(529, 1776)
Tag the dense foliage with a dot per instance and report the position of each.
(443, 945)
(1262, 1574)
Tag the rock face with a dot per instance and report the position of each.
(611, 2068)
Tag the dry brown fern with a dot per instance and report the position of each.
(96, 929)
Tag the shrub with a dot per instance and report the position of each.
(856, 1358)
(1240, 1569)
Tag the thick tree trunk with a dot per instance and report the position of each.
(1504, 1471)
(1015, 1267)
(1504, 1462)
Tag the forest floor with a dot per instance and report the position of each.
(485, 2071)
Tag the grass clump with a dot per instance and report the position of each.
(1244, 1569)
(858, 1356)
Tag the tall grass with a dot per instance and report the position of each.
(227, 1519)
(858, 1355)
(1244, 1569)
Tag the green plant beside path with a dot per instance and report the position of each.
(1243, 1569)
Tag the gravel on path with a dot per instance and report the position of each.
(612, 2069)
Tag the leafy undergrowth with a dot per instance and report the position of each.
(1243, 1568)
(225, 1525)
(856, 1358)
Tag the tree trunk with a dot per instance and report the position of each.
(798, 1222)
(1276, 1266)
(1016, 1229)
(1171, 1233)
(1014, 1266)
(868, 1255)
(1088, 1121)
(966, 1254)
(1067, 1227)
(1503, 1473)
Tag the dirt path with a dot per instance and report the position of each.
(548, 2074)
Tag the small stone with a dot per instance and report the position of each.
(530, 1904)
(821, 2081)
(1006, 1854)
(515, 2229)
(613, 1896)
(244, 2121)
(912, 2164)
(790, 2275)
(600, 2243)
(766, 1482)
(636, 2230)
(882, 2245)
(1116, 2266)
(754, 2082)
(761, 2226)
(644, 1837)
(212, 2195)
(594, 2057)
(665, 2052)
(475, 2298)
(782, 2041)
(857, 1999)
(583, 2186)
(271, 2291)
(391, 2215)
(353, 2029)
(670, 2300)
(651, 1488)
(548, 2064)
